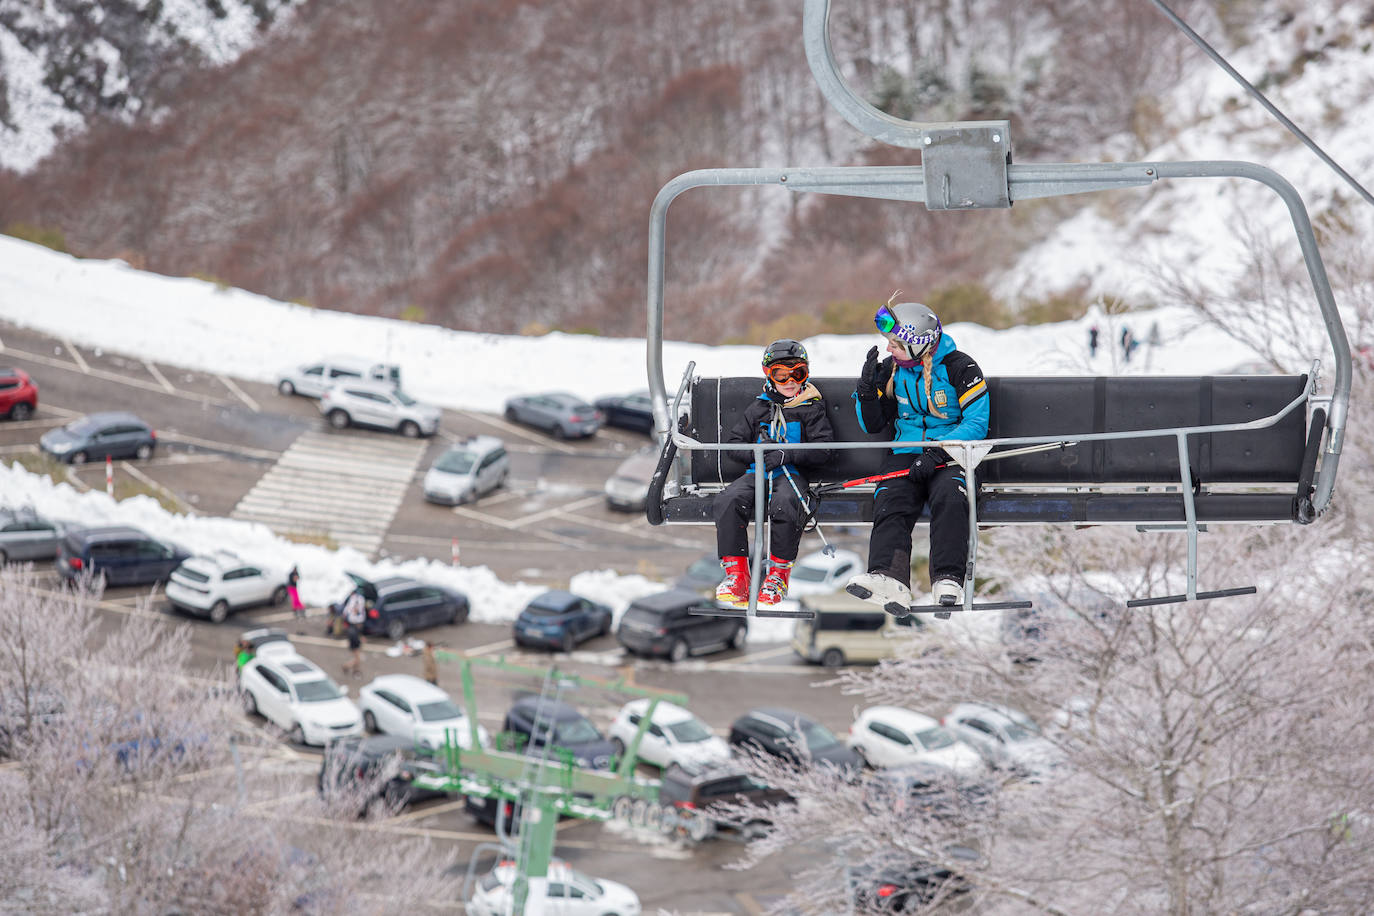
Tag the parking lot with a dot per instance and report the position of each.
(222, 440)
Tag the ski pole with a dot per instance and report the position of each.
(828, 549)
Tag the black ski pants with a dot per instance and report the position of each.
(898, 509)
(733, 509)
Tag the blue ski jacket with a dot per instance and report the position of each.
(956, 386)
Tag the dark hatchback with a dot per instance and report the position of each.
(114, 434)
(561, 620)
(354, 769)
(119, 555)
(711, 793)
(540, 721)
(665, 624)
(783, 733)
(632, 411)
(397, 605)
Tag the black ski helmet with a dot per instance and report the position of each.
(784, 350)
(910, 324)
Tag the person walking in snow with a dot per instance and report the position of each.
(925, 389)
(1092, 341)
(788, 410)
(354, 614)
(293, 581)
(1127, 343)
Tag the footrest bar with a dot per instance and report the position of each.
(943, 611)
(740, 612)
(1201, 596)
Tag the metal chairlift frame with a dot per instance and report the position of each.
(967, 165)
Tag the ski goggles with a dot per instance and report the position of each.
(892, 328)
(783, 374)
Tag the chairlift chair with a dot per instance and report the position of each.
(1160, 453)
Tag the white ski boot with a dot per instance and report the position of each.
(948, 592)
(885, 591)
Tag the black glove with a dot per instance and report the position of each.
(773, 460)
(867, 388)
(925, 466)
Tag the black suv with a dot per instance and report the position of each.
(119, 555)
(398, 604)
(663, 624)
(784, 733)
(540, 721)
(358, 765)
(699, 797)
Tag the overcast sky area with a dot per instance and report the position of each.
(108, 306)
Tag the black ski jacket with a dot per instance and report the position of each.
(803, 419)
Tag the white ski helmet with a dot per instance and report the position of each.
(910, 324)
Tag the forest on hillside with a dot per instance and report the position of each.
(489, 165)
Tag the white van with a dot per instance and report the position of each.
(846, 630)
(313, 379)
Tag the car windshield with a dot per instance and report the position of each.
(691, 730)
(455, 462)
(439, 710)
(576, 731)
(1018, 732)
(932, 739)
(818, 737)
(808, 574)
(404, 398)
(317, 691)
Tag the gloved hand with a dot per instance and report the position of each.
(773, 460)
(925, 465)
(867, 388)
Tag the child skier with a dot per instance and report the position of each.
(789, 410)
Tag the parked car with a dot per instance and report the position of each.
(398, 604)
(213, 586)
(631, 411)
(18, 394)
(887, 736)
(267, 641)
(928, 790)
(569, 893)
(703, 575)
(380, 406)
(566, 416)
(1005, 737)
(26, 535)
(356, 769)
(844, 629)
(674, 737)
(702, 799)
(118, 555)
(628, 488)
(792, 736)
(884, 885)
(663, 624)
(466, 471)
(292, 693)
(313, 379)
(818, 574)
(114, 434)
(561, 620)
(415, 709)
(542, 721)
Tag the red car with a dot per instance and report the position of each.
(18, 394)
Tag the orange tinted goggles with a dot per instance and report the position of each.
(783, 374)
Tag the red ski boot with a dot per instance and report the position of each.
(733, 590)
(774, 587)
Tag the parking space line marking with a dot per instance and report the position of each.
(81, 365)
(219, 446)
(491, 647)
(766, 653)
(76, 355)
(157, 374)
(239, 393)
(428, 812)
(150, 482)
(557, 510)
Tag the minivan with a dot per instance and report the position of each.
(313, 379)
(118, 555)
(846, 629)
(664, 624)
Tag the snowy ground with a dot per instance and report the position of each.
(184, 322)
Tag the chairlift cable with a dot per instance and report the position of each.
(1260, 97)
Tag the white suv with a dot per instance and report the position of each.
(1005, 737)
(378, 405)
(674, 737)
(213, 586)
(888, 736)
(312, 379)
(292, 693)
(467, 470)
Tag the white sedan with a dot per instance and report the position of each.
(889, 736)
(674, 736)
(214, 585)
(293, 694)
(402, 704)
(568, 893)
